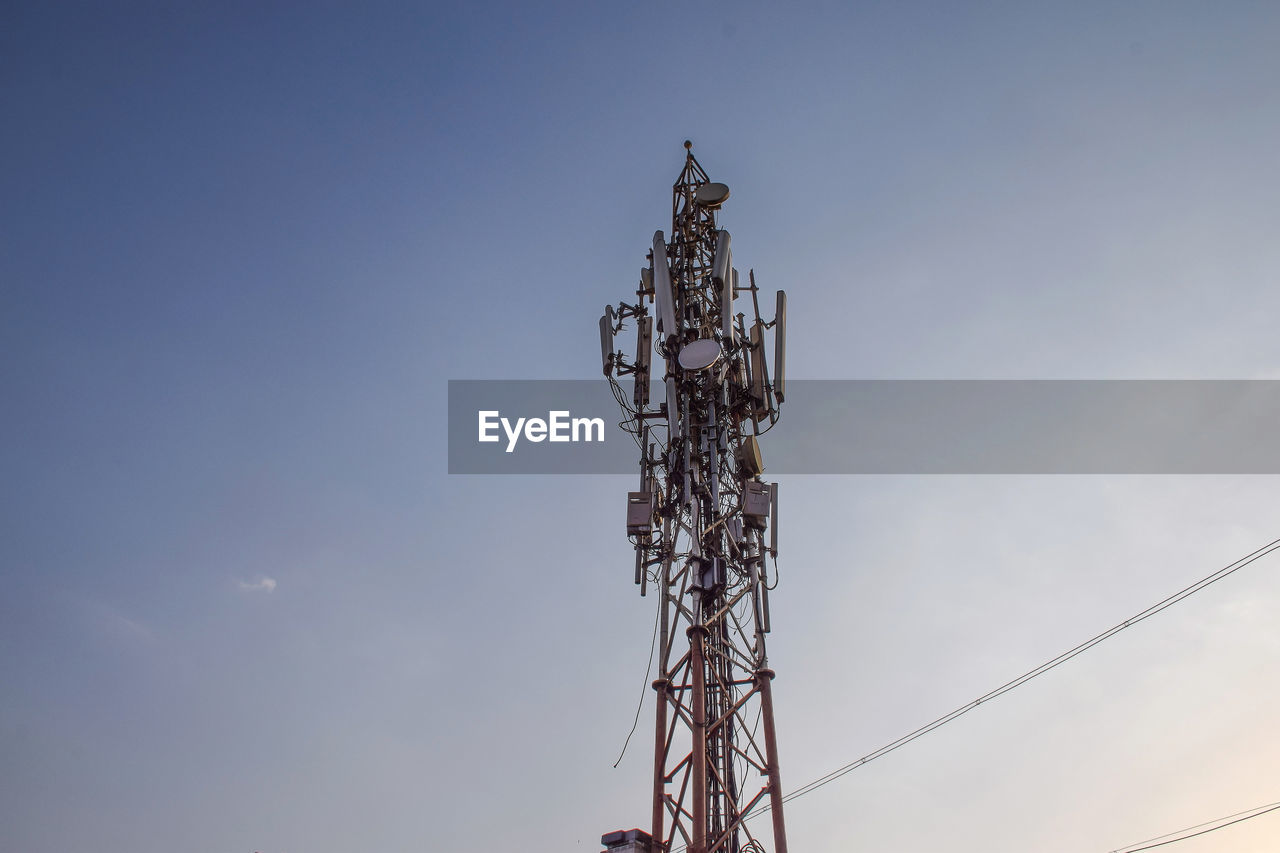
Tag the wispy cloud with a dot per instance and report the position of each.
(262, 584)
(113, 622)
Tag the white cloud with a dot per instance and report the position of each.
(114, 623)
(262, 584)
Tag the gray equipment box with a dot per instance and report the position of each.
(627, 841)
(639, 513)
(755, 504)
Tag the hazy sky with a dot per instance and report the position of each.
(244, 247)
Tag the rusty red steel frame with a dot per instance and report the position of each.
(699, 522)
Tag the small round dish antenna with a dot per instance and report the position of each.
(711, 195)
(699, 354)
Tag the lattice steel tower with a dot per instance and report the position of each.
(704, 525)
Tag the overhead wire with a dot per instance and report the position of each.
(1257, 811)
(1053, 663)
(1184, 593)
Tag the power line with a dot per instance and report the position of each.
(1270, 807)
(1128, 848)
(1186, 592)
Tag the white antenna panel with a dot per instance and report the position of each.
(644, 344)
(644, 351)
(606, 340)
(780, 347)
(721, 265)
(758, 379)
(773, 519)
(662, 286)
(726, 307)
(673, 411)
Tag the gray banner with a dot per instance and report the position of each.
(899, 427)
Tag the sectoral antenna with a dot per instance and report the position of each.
(606, 339)
(615, 363)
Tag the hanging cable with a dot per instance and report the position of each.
(653, 643)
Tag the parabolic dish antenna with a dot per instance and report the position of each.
(711, 195)
(699, 354)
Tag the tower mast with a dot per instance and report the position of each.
(699, 523)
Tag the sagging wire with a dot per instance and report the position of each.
(653, 645)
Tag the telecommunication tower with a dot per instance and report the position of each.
(704, 525)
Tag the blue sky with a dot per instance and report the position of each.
(243, 249)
